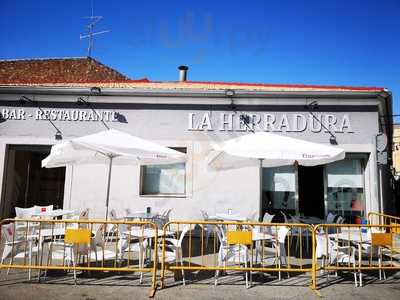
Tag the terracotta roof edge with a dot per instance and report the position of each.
(108, 67)
(41, 58)
(279, 85)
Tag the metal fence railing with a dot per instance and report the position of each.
(80, 245)
(246, 247)
(355, 249)
(191, 249)
(375, 218)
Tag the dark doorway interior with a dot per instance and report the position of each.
(311, 191)
(26, 183)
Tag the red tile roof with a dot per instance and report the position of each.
(291, 86)
(205, 86)
(57, 70)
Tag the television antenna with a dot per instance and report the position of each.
(92, 21)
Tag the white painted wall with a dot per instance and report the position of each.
(85, 186)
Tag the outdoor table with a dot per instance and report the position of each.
(356, 237)
(309, 220)
(147, 232)
(227, 217)
(351, 235)
(54, 213)
(141, 216)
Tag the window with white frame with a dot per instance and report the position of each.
(164, 179)
(279, 189)
(345, 189)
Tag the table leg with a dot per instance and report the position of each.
(359, 263)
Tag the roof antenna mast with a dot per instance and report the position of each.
(92, 21)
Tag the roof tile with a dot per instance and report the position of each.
(56, 70)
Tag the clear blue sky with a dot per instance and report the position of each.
(339, 42)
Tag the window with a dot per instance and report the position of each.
(345, 189)
(279, 189)
(166, 179)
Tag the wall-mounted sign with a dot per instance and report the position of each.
(59, 114)
(293, 122)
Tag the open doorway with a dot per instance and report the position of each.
(311, 191)
(26, 183)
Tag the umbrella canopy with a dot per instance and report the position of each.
(100, 147)
(270, 150)
(274, 150)
(109, 147)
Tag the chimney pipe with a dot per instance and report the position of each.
(182, 73)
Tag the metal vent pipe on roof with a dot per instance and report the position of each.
(182, 73)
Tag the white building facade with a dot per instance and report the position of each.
(190, 117)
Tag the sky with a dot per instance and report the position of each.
(353, 42)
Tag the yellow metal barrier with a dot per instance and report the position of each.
(239, 237)
(187, 246)
(375, 218)
(80, 245)
(354, 248)
(249, 247)
(77, 236)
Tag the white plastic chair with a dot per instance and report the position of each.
(207, 228)
(72, 254)
(83, 215)
(166, 215)
(238, 254)
(68, 251)
(299, 232)
(267, 218)
(330, 252)
(284, 217)
(25, 212)
(18, 247)
(252, 217)
(370, 252)
(278, 250)
(173, 250)
(127, 211)
(204, 214)
(113, 215)
(101, 239)
(162, 219)
(330, 218)
(129, 244)
(340, 220)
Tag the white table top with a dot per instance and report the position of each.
(51, 232)
(262, 236)
(227, 217)
(147, 232)
(309, 220)
(140, 215)
(353, 236)
(54, 213)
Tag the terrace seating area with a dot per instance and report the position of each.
(42, 238)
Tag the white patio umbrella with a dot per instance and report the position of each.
(274, 150)
(270, 150)
(109, 147)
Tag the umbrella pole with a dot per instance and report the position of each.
(261, 191)
(108, 185)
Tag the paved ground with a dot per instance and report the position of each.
(16, 286)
